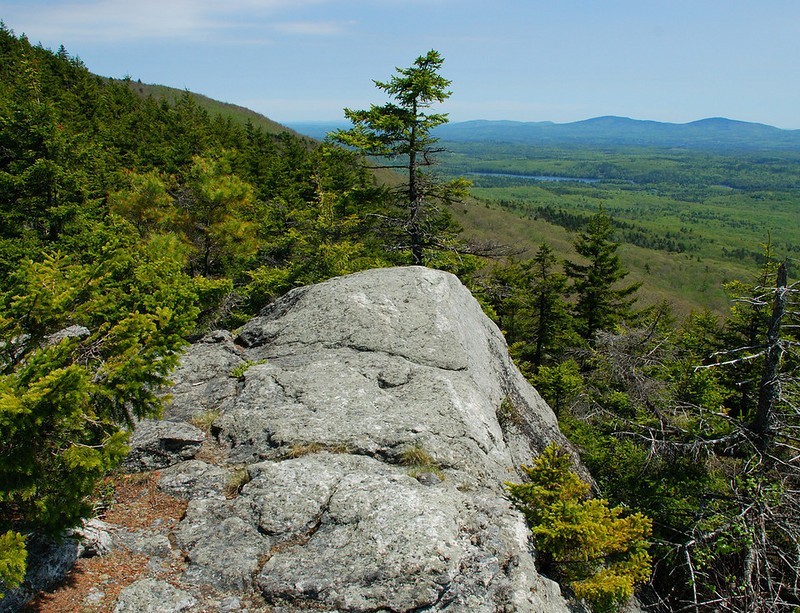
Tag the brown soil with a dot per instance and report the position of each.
(93, 585)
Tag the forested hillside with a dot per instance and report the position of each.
(130, 223)
(238, 114)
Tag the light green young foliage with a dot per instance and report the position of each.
(63, 400)
(238, 371)
(12, 559)
(598, 552)
(146, 203)
(220, 212)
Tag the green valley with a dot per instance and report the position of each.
(689, 219)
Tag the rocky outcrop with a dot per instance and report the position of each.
(357, 437)
(158, 444)
(153, 596)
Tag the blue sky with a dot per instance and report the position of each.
(529, 60)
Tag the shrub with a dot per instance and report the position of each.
(86, 344)
(12, 559)
(599, 553)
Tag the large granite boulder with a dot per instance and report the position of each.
(366, 410)
(357, 437)
(381, 361)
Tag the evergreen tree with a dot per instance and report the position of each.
(745, 330)
(219, 211)
(402, 130)
(552, 320)
(529, 301)
(600, 304)
(86, 343)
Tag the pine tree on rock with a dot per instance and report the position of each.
(400, 132)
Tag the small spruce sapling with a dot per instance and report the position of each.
(598, 552)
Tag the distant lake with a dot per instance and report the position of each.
(537, 177)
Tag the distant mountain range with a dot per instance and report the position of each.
(713, 133)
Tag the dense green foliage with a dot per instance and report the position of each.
(691, 423)
(266, 211)
(127, 224)
(87, 342)
(529, 301)
(599, 552)
(13, 557)
(225, 110)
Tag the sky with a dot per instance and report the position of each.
(526, 60)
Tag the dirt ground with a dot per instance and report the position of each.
(93, 585)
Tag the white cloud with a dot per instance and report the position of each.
(312, 28)
(121, 20)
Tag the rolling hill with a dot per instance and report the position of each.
(236, 113)
(713, 133)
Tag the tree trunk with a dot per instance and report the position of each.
(414, 197)
(769, 388)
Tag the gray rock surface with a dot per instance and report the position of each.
(194, 479)
(69, 332)
(161, 443)
(222, 543)
(345, 386)
(153, 596)
(379, 361)
(361, 535)
(94, 537)
(346, 451)
(203, 384)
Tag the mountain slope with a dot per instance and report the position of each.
(713, 133)
(238, 114)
